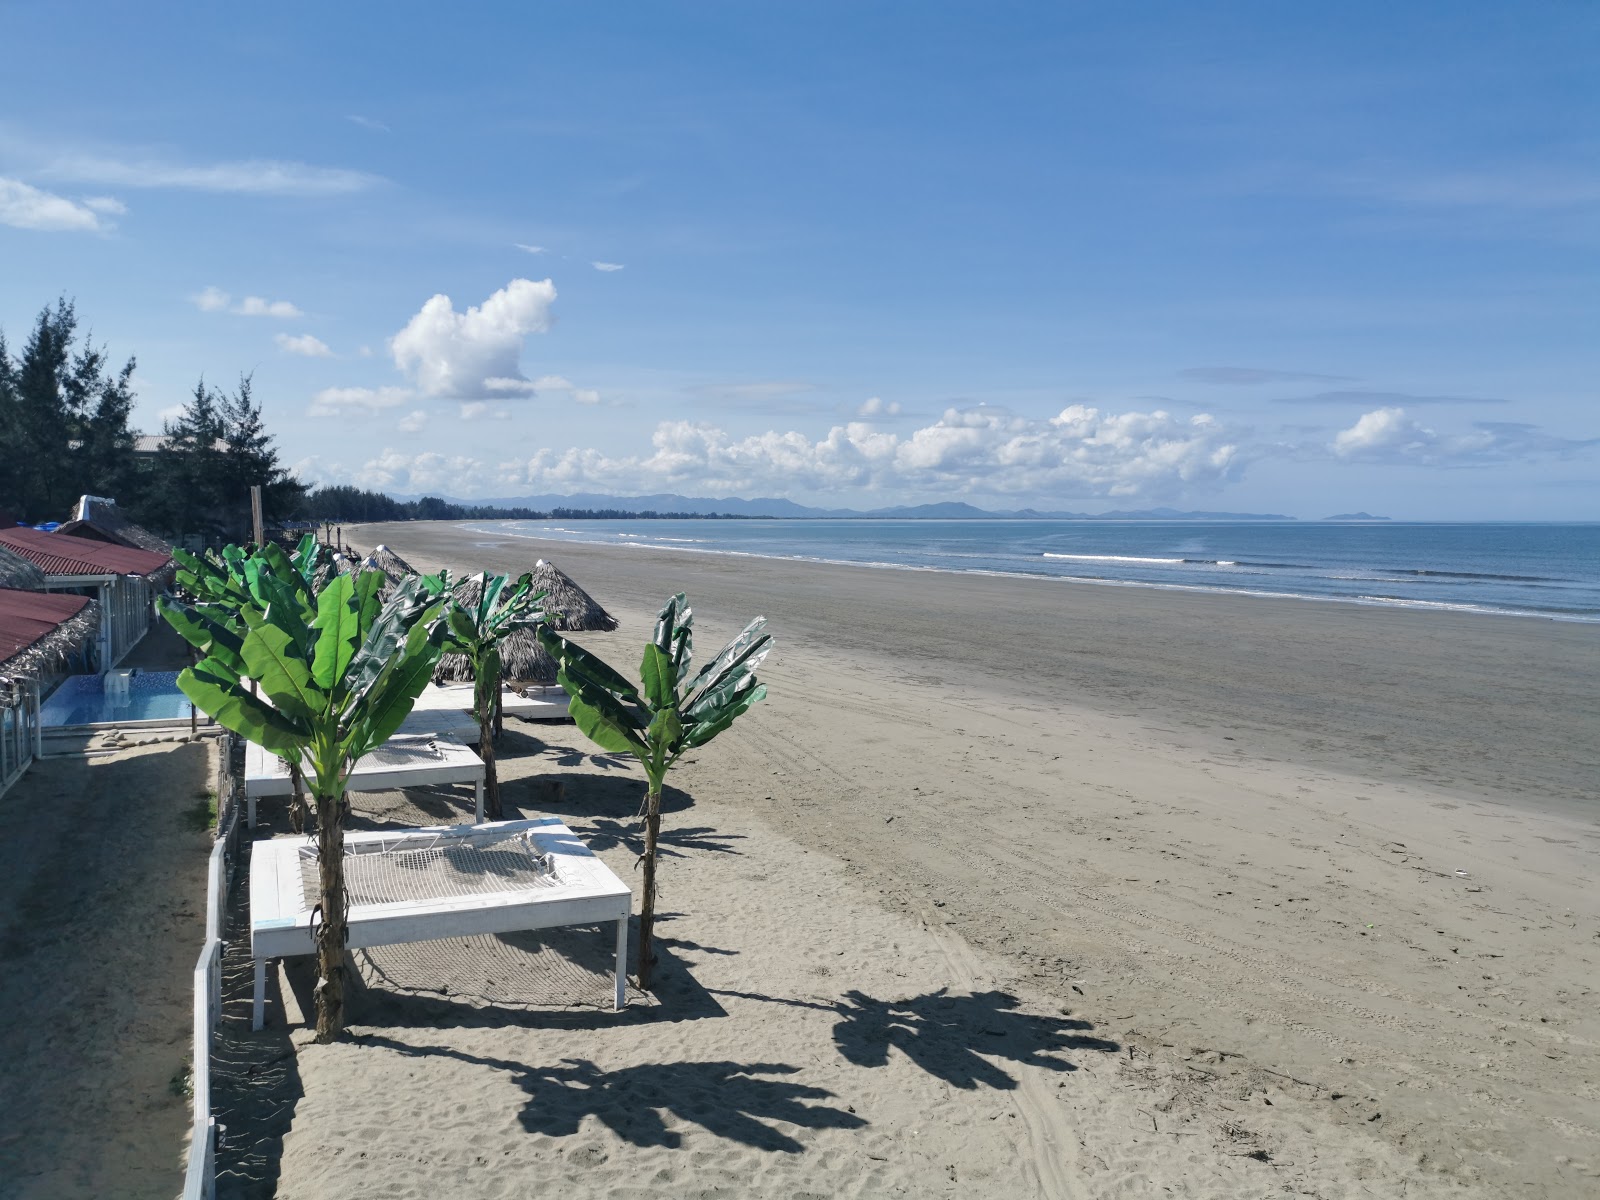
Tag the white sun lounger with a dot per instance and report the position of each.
(457, 880)
(540, 703)
(400, 762)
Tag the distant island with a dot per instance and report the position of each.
(594, 505)
(1360, 516)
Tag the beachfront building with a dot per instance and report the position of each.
(41, 633)
(124, 581)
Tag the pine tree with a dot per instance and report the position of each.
(250, 459)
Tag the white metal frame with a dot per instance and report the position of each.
(588, 894)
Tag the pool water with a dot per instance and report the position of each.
(81, 700)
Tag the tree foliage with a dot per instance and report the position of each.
(672, 713)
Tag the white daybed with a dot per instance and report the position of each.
(402, 761)
(446, 881)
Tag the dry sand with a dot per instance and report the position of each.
(1019, 888)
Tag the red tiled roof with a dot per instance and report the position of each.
(58, 554)
(25, 617)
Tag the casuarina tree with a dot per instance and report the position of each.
(659, 722)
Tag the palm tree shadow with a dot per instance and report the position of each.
(956, 1037)
(743, 1102)
(607, 833)
(618, 797)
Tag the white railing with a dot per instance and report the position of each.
(200, 1177)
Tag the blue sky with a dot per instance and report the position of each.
(1262, 257)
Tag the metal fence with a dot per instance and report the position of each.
(200, 1179)
(19, 728)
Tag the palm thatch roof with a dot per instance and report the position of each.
(17, 572)
(39, 631)
(396, 569)
(567, 607)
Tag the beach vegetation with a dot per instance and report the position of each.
(319, 675)
(484, 610)
(672, 712)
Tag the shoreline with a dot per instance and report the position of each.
(1395, 602)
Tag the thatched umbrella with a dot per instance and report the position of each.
(395, 569)
(17, 572)
(522, 659)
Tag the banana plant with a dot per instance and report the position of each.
(485, 609)
(672, 713)
(330, 685)
(222, 583)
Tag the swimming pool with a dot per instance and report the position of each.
(81, 700)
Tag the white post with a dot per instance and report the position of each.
(260, 999)
(622, 963)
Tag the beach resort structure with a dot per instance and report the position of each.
(40, 633)
(123, 579)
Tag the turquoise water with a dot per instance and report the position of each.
(81, 700)
(1547, 570)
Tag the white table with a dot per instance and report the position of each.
(402, 761)
(586, 892)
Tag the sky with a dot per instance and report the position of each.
(1270, 257)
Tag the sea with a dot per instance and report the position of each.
(1538, 570)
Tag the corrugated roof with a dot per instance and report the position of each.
(29, 617)
(60, 554)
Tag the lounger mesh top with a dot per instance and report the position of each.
(403, 870)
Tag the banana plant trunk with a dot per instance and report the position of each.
(647, 905)
(298, 812)
(332, 931)
(485, 692)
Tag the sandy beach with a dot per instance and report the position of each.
(1017, 888)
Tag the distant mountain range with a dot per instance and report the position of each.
(774, 507)
(1360, 516)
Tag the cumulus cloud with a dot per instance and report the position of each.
(395, 471)
(305, 345)
(586, 395)
(214, 299)
(25, 207)
(456, 354)
(1245, 376)
(1080, 452)
(607, 266)
(874, 406)
(1389, 435)
(412, 422)
(476, 410)
(338, 402)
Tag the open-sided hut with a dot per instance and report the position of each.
(395, 569)
(17, 572)
(40, 632)
(522, 659)
(125, 581)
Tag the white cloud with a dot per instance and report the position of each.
(875, 407)
(255, 306)
(1388, 435)
(513, 386)
(452, 474)
(214, 299)
(586, 395)
(25, 207)
(109, 205)
(365, 352)
(367, 123)
(454, 354)
(304, 345)
(338, 402)
(412, 422)
(607, 266)
(170, 413)
(257, 176)
(552, 383)
(1079, 452)
(528, 248)
(476, 410)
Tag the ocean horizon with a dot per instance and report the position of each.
(1531, 569)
